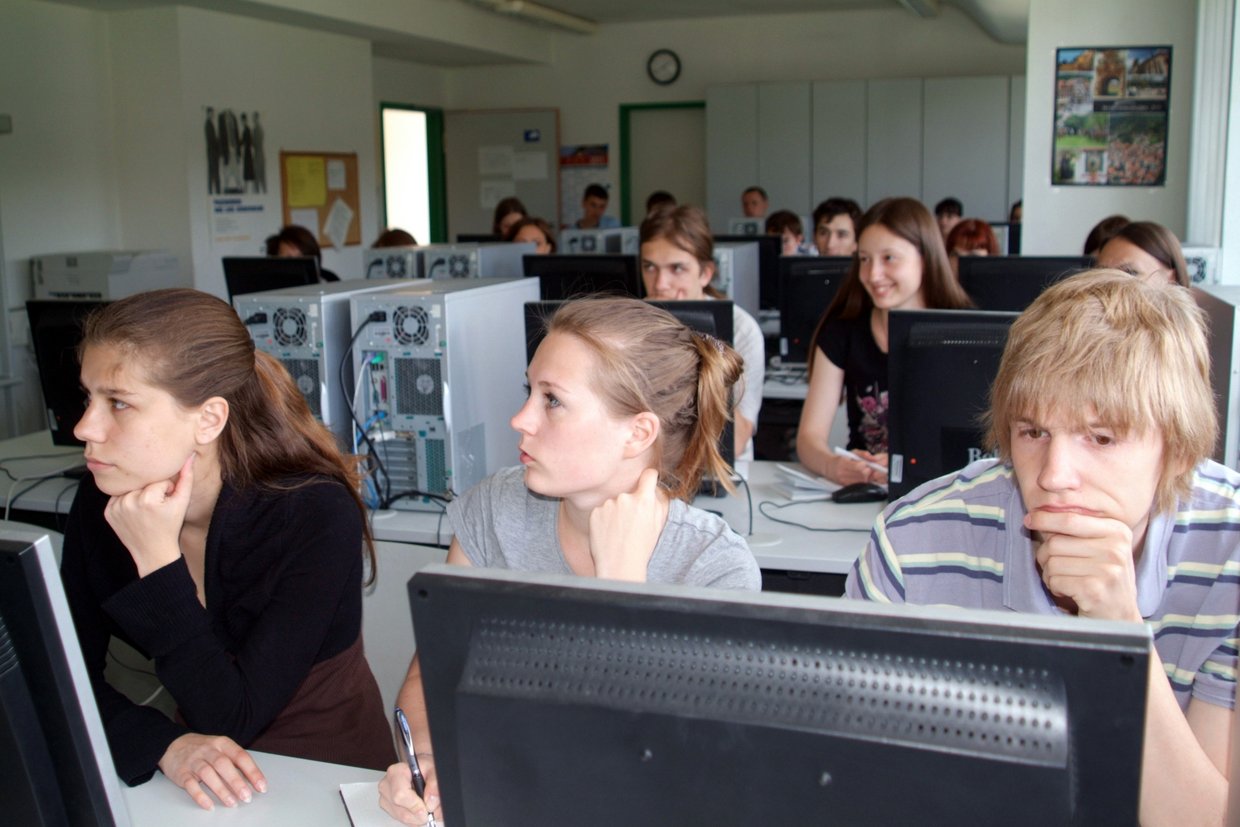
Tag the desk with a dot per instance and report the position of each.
(776, 546)
(299, 792)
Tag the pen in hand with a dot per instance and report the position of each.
(844, 452)
(404, 741)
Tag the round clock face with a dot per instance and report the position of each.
(663, 66)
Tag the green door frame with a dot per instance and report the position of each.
(436, 166)
(626, 110)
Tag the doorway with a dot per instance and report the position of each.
(662, 147)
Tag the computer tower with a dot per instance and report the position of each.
(392, 263)
(448, 261)
(737, 274)
(746, 226)
(308, 329)
(624, 240)
(440, 367)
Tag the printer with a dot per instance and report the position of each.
(102, 275)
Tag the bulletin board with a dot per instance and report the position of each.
(492, 154)
(319, 191)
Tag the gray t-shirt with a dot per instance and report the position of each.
(500, 523)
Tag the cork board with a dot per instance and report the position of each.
(322, 187)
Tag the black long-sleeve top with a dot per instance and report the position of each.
(282, 581)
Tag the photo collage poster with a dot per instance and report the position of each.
(1111, 107)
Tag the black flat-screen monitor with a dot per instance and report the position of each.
(254, 274)
(710, 316)
(807, 284)
(940, 366)
(477, 238)
(55, 767)
(1013, 282)
(578, 701)
(769, 249)
(55, 332)
(563, 277)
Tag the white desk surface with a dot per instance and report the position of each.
(300, 793)
(776, 546)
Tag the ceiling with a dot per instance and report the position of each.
(1005, 21)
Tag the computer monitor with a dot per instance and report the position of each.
(565, 277)
(55, 332)
(769, 249)
(255, 274)
(1013, 282)
(710, 316)
(477, 238)
(940, 366)
(807, 284)
(578, 701)
(55, 767)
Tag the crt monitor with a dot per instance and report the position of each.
(807, 284)
(577, 701)
(770, 248)
(940, 366)
(55, 767)
(1013, 282)
(563, 277)
(55, 332)
(710, 316)
(254, 274)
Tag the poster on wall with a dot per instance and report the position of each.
(580, 166)
(236, 172)
(1111, 108)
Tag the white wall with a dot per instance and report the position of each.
(58, 178)
(589, 77)
(1057, 219)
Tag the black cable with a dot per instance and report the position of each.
(763, 512)
(749, 499)
(60, 526)
(386, 490)
(387, 503)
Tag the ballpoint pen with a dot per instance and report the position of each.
(404, 741)
(844, 452)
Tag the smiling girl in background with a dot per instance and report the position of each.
(900, 264)
(220, 533)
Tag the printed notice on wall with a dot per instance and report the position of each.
(1111, 110)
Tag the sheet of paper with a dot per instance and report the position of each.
(305, 218)
(336, 228)
(495, 160)
(307, 181)
(529, 166)
(336, 174)
(361, 799)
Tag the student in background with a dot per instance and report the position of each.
(658, 200)
(835, 227)
(625, 411)
(1148, 250)
(678, 262)
(900, 264)
(393, 237)
(754, 202)
(1103, 232)
(220, 531)
(594, 210)
(536, 230)
(971, 237)
(508, 211)
(1103, 503)
(787, 225)
(295, 241)
(948, 213)
(1014, 218)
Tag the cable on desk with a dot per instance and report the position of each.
(9, 473)
(38, 479)
(781, 506)
(60, 524)
(748, 499)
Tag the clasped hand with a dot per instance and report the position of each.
(148, 520)
(625, 529)
(1088, 559)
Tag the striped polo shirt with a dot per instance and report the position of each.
(959, 541)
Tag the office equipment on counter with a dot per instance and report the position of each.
(103, 275)
(562, 277)
(257, 274)
(807, 284)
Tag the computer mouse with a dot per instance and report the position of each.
(859, 492)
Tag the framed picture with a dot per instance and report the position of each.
(1111, 107)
